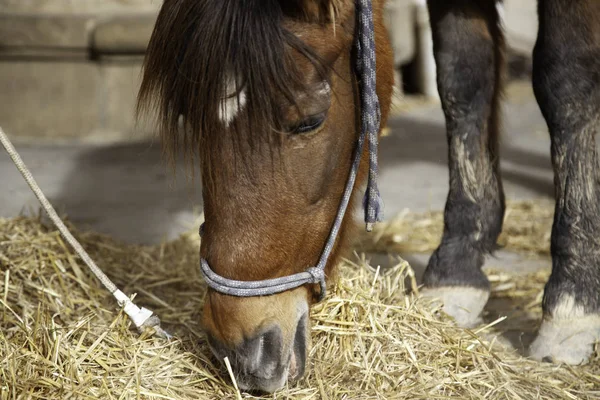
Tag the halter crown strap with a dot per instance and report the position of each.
(366, 69)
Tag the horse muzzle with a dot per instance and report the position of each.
(266, 362)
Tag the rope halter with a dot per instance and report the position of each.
(366, 71)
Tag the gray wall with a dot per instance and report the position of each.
(78, 6)
(70, 69)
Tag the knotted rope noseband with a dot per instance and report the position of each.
(370, 115)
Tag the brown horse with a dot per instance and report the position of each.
(264, 92)
(269, 98)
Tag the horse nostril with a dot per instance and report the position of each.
(265, 362)
(264, 353)
(298, 359)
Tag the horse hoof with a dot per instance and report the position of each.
(569, 341)
(464, 304)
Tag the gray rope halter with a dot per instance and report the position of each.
(370, 115)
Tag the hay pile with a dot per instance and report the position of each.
(62, 337)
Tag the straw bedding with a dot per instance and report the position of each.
(62, 337)
(526, 229)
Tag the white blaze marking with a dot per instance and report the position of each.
(325, 89)
(230, 106)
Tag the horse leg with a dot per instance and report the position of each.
(566, 81)
(468, 49)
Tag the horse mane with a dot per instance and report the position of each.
(197, 45)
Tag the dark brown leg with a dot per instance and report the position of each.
(566, 80)
(468, 48)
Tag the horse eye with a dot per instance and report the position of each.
(309, 124)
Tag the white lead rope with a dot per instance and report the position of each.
(141, 317)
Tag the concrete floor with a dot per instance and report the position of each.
(126, 190)
(121, 190)
(413, 159)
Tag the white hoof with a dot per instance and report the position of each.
(464, 304)
(567, 335)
